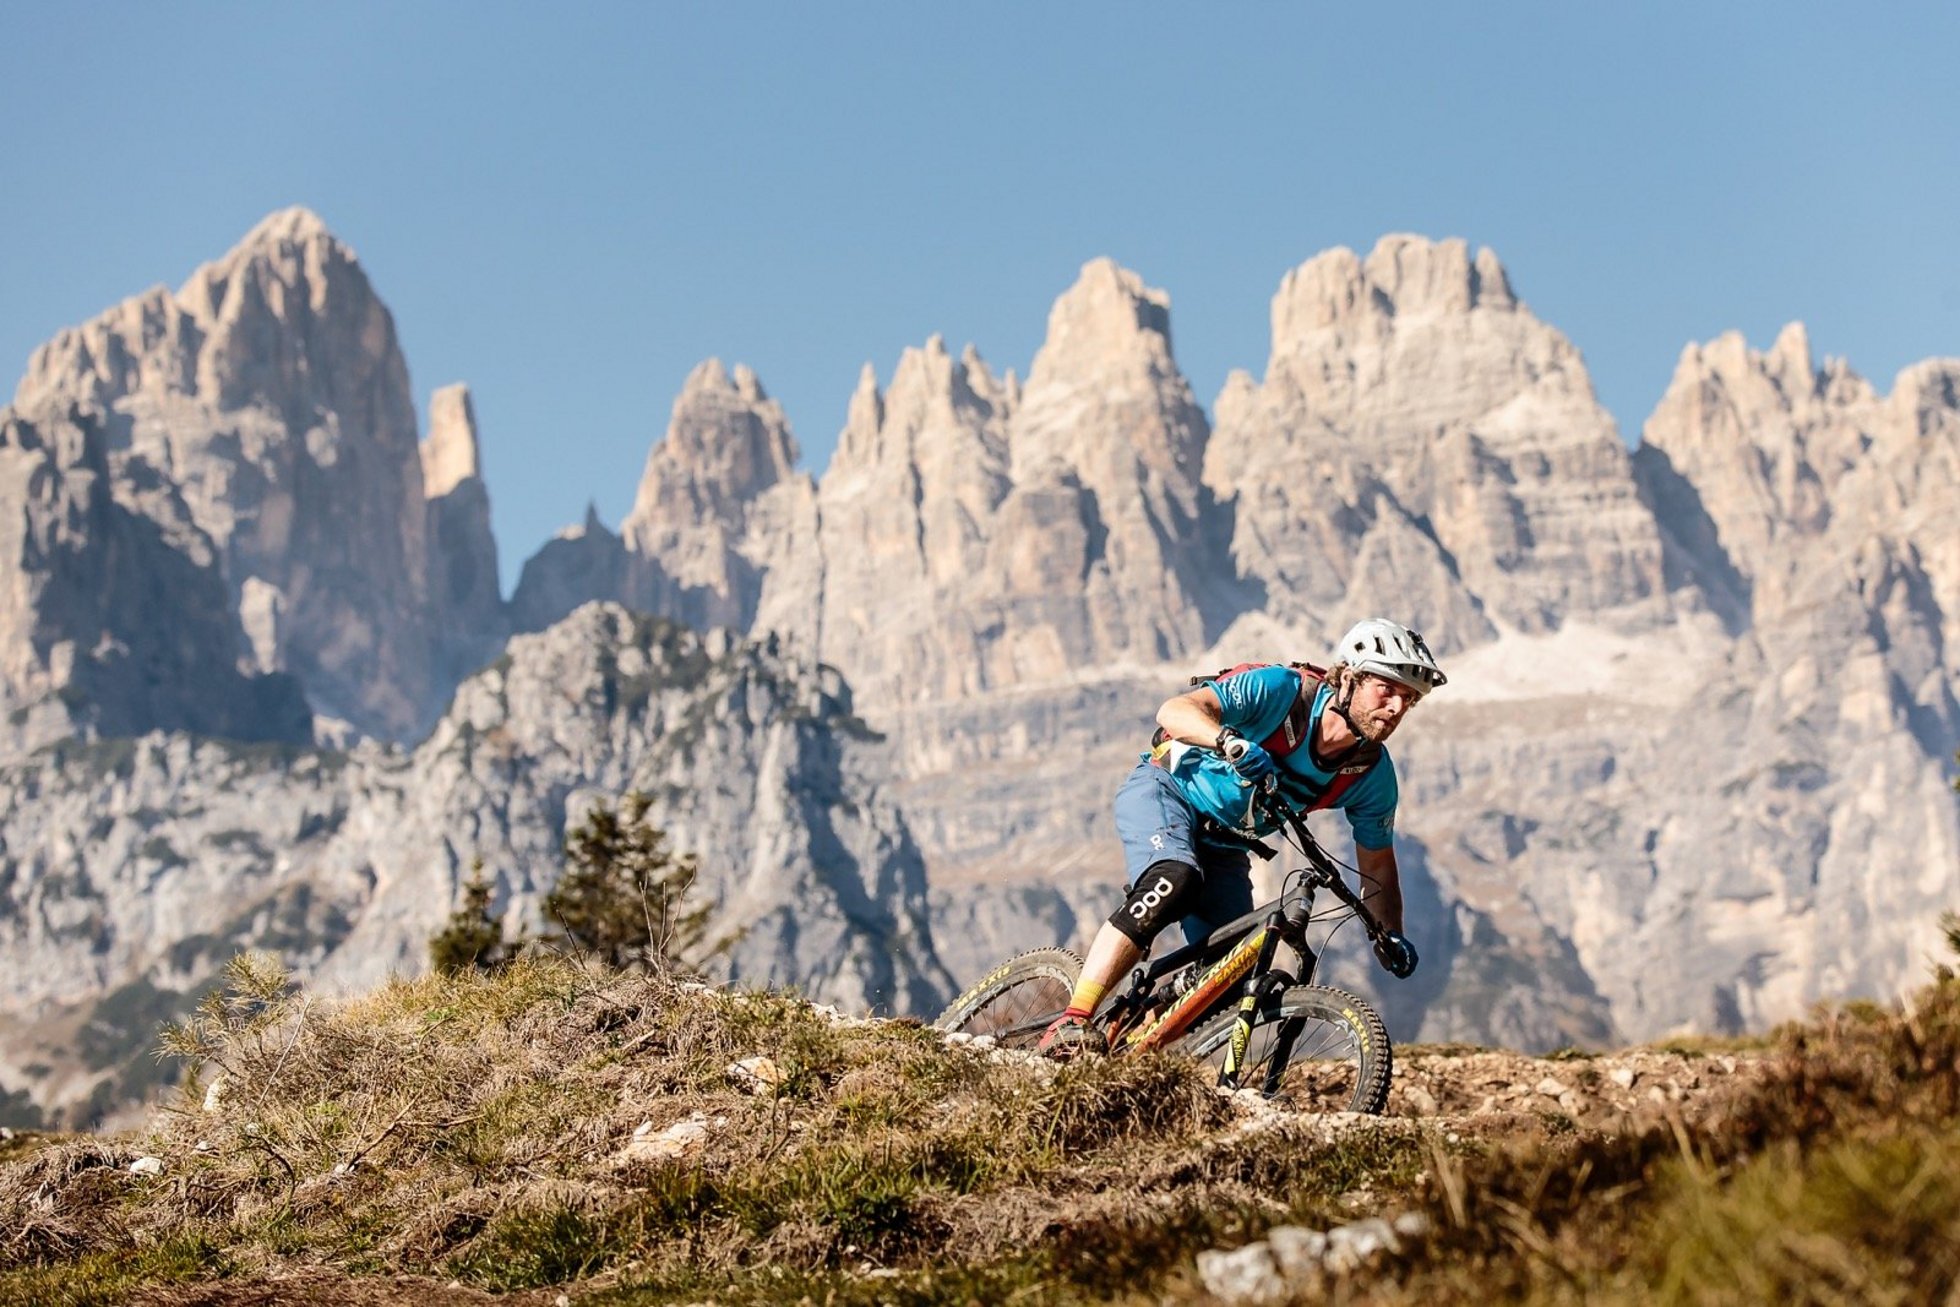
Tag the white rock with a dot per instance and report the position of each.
(1297, 1251)
(146, 1166)
(1412, 1226)
(678, 1140)
(1243, 1275)
(1623, 1076)
(1420, 1100)
(756, 1074)
(1352, 1246)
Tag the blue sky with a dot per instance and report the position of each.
(568, 210)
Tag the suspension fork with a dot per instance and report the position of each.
(1264, 981)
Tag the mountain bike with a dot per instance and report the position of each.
(1221, 999)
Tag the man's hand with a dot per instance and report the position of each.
(1249, 759)
(1394, 951)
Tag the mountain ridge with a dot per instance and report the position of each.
(1729, 646)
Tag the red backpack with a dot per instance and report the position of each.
(1292, 732)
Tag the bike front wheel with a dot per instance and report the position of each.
(1323, 1049)
(1016, 1001)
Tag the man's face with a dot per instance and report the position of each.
(1379, 705)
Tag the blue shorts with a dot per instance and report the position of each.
(1157, 825)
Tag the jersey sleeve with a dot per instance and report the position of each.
(1370, 806)
(1252, 699)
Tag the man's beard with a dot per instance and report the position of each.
(1376, 727)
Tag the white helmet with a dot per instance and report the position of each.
(1390, 649)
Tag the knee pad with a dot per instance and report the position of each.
(1158, 898)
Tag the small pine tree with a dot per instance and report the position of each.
(623, 891)
(471, 938)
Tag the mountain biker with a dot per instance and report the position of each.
(1188, 817)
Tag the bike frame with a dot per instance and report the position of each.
(1248, 962)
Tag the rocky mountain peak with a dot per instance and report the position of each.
(861, 421)
(295, 225)
(1790, 359)
(1105, 398)
(726, 442)
(449, 451)
(726, 447)
(1459, 455)
(1108, 316)
(1403, 277)
(463, 580)
(1793, 467)
(271, 392)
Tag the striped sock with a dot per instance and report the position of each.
(1082, 1003)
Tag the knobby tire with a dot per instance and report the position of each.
(1340, 1060)
(1017, 1000)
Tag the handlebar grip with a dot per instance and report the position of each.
(1235, 747)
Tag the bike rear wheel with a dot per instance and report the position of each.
(1016, 1001)
(1325, 1049)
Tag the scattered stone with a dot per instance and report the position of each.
(1420, 1100)
(676, 1141)
(1292, 1259)
(6, 1133)
(1550, 1087)
(146, 1166)
(1243, 1275)
(1412, 1226)
(1297, 1251)
(1623, 1076)
(756, 1074)
(1352, 1246)
(214, 1094)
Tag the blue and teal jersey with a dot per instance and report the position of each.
(1255, 704)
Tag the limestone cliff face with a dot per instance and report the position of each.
(580, 564)
(463, 587)
(692, 553)
(1107, 445)
(114, 616)
(1815, 841)
(270, 391)
(133, 869)
(1420, 436)
(972, 535)
(904, 520)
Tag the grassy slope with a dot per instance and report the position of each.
(481, 1129)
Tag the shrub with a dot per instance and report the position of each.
(472, 939)
(623, 893)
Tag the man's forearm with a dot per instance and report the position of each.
(1381, 886)
(1192, 718)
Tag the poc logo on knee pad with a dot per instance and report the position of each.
(1157, 897)
(1141, 908)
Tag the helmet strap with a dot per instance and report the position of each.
(1340, 706)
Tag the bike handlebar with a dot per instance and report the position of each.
(1329, 876)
